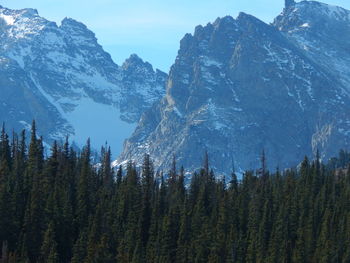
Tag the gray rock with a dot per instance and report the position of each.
(62, 77)
(239, 86)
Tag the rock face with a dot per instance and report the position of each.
(239, 86)
(62, 77)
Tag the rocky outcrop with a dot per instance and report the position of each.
(60, 76)
(239, 86)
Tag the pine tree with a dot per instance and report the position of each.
(168, 240)
(62, 208)
(6, 209)
(106, 170)
(84, 201)
(49, 252)
(219, 253)
(184, 240)
(103, 253)
(79, 250)
(33, 223)
(147, 188)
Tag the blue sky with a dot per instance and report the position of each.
(153, 28)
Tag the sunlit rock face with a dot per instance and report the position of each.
(241, 86)
(60, 76)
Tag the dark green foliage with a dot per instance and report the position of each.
(64, 209)
(49, 246)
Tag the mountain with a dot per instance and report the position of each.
(62, 77)
(241, 86)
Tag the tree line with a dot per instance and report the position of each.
(63, 208)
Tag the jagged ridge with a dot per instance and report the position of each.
(239, 86)
(62, 77)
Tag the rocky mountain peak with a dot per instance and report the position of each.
(289, 3)
(63, 78)
(134, 63)
(321, 31)
(30, 12)
(224, 21)
(239, 86)
(70, 23)
(312, 14)
(77, 32)
(18, 14)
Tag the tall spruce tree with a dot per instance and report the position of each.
(64, 208)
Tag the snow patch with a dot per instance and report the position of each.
(102, 124)
(176, 110)
(209, 62)
(90, 119)
(208, 77)
(10, 20)
(26, 125)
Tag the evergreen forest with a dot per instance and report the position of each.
(65, 208)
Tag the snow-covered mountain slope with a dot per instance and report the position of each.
(322, 32)
(239, 86)
(62, 77)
